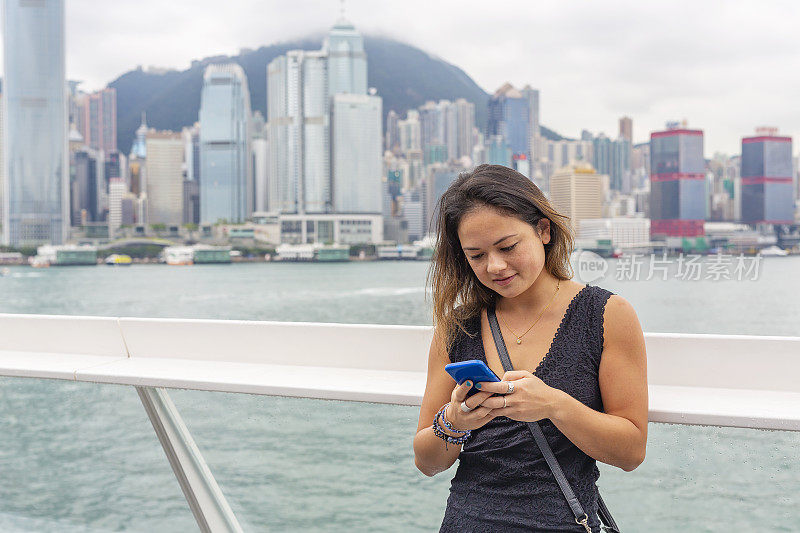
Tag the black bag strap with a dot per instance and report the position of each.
(580, 515)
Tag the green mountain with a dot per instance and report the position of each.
(405, 77)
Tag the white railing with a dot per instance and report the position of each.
(720, 380)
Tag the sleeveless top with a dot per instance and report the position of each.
(503, 482)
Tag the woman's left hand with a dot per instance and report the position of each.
(531, 400)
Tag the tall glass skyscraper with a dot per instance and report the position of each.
(767, 196)
(509, 116)
(677, 183)
(347, 60)
(36, 197)
(357, 161)
(226, 190)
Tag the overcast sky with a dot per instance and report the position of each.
(725, 66)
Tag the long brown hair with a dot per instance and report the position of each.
(457, 293)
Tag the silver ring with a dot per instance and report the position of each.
(510, 387)
(466, 408)
(504, 402)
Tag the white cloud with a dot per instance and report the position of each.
(727, 67)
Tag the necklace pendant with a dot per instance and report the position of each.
(519, 341)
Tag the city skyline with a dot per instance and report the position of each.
(592, 63)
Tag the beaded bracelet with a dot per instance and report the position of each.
(443, 417)
(439, 432)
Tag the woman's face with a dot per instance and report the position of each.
(506, 254)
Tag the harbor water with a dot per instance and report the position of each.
(77, 457)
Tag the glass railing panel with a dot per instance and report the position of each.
(294, 464)
(83, 457)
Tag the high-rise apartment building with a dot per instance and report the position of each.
(100, 120)
(626, 128)
(36, 198)
(767, 195)
(466, 126)
(677, 183)
(612, 157)
(226, 191)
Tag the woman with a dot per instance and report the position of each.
(577, 351)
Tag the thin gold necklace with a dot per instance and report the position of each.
(519, 337)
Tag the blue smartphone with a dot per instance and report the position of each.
(474, 370)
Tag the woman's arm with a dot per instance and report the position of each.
(619, 435)
(431, 455)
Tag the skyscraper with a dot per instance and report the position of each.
(410, 133)
(509, 115)
(626, 128)
(164, 177)
(226, 190)
(100, 120)
(301, 88)
(767, 196)
(612, 157)
(677, 183)
(357, 162)
(347, 60)
(36, 198)
(534, 130)
(392, 132)
(466, 123)
(299, 130)
(577, 192)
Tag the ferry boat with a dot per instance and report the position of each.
(118, 260)
(178, 255)
(64, 255)
(773, 251)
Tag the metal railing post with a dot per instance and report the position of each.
(208, 504)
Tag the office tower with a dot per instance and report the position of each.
(301, 88)
(191, 201)
(431, 125)
(626, 129)
(677, 183)
(612, 157)
(410, 132)
(577, 191)
(299, 131)
(466, 124)
(84, 187)
(191, 140)
(534, 130)
(226, 191)
(100, 120)
(164, 184)
(117, 189)
(347, 61)
(508, 115)
(36, 203)
(357, 162)
(767, 196)
(392, 132)
(261, 173)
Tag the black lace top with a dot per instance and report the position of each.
(503, 482)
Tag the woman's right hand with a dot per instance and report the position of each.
(479, 415)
